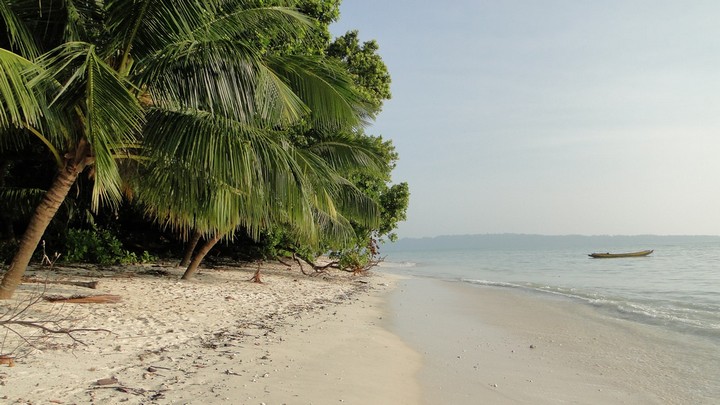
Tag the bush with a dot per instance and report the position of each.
(355, 259)
(101, 247)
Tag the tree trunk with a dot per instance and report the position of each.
(190, 248)
(40, 220)
(192, 269)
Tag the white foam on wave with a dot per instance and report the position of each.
(397, 265)
(490, 283)
(659, 312)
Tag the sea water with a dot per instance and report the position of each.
(676, 288)
(675, 291)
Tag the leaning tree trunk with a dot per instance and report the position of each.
(190, 248)
(40, 220)
(192, 269)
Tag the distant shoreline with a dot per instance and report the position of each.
(519, 241)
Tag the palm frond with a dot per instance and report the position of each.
(17, 32)
(234, 175)
(335, 195)
(110, 114)
(114, 118)
(221, 76)
(325, 87)
(84, 20)
(18, 103)
(241, 21)
(346, 155)
(146, 26)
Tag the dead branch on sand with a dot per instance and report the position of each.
(87, 284)
(25, 329)
(318, 269)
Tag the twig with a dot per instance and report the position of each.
(54, 331)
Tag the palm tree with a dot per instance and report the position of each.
(144, 79)
(317, 204)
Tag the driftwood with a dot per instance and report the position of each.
(318, 269)
(84, 299)
(284, 263)
(9, 360)
(86, 284)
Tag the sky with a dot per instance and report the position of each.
(551, 117)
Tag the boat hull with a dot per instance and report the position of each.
(616, 255)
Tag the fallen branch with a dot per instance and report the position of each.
(128, 390)
(40, 324)
(284, 263)
(19, 318)
(334, 264)
(318, 269)
(85, 299)
(302, 269)
(87, 284)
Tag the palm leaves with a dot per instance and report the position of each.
(18, 104)
(188, 90)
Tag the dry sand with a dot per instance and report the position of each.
(218, 339)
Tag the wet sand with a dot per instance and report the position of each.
(502, 346)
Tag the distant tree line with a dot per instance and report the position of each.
(134, 129)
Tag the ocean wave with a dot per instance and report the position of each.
(397, 265)
(700, 318)
(491, 283)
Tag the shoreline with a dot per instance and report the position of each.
(485, 344)
(382, 338)
(220, 339)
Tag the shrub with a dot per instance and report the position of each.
(98, 246)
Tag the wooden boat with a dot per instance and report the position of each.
(614, 255)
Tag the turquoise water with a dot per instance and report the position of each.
(677, 287)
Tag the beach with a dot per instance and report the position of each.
(294, 339)
(338, 338)
(506, 346)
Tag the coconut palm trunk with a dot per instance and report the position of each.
(40, 220)
(190, 248)
(193, 267)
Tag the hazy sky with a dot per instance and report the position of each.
(552, 117)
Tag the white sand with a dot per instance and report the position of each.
(219, 339)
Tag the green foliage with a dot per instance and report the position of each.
(354, 259)
(191, 81)
(99, 246)
(372, 80)
(365, 65)
(312, 41)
